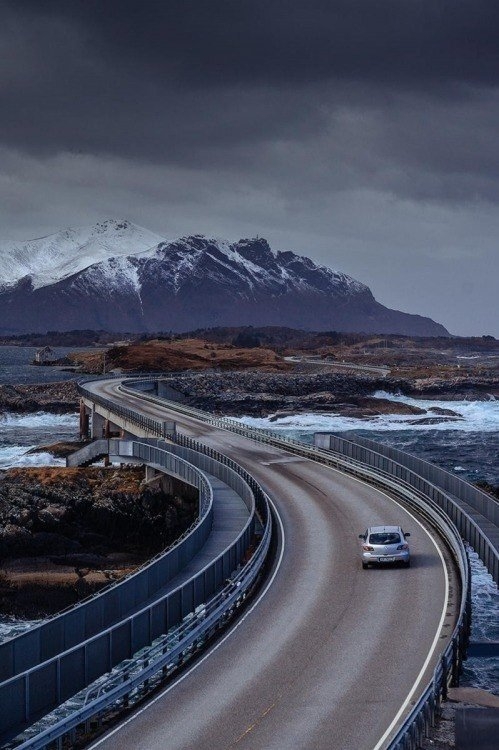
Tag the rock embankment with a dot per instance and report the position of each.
(64, 533)
(261, 394)
(57, 398)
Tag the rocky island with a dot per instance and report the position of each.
(66, 533)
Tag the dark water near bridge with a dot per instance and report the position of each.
(469, 447)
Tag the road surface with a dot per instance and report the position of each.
(329, 653)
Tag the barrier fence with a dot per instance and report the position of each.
(430, 501)
(444, 488)
(51, 678)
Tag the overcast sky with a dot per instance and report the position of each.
(362, 133)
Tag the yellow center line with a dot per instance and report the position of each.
(247, 731)
(255, 724)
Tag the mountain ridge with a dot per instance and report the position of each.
(182, 284)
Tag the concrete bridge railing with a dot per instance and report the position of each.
(430, 501)
(47, 665)
(475, 513)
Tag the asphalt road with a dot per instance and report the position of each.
(329, 653)
(377, 370)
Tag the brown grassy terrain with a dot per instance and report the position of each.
(413, 358)
(187, 354)
(66, 532)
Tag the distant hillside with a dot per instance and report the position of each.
(120, 277)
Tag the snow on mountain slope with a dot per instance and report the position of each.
(50, 259)
(246, 267)
(90, 254)
(117, 276)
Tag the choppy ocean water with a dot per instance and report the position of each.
(21, 432)
(468, 447)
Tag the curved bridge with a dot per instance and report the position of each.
(43, 667)
(328, 655)
(332, 656)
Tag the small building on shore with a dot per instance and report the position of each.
(44, 356)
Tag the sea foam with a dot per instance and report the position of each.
(38, 419)
(473, 416)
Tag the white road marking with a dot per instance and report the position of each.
(291, 460)
(389, 730)
(401, 710)
(183, 676)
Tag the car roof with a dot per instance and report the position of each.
(374, 529)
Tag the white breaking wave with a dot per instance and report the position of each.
(9, 627)
(474, 416)
(15, 456)
(19, 433)
(38, 419)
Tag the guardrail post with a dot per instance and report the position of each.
(26, 697)
(456, 663)
(443, 686)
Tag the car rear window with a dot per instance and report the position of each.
(384, 538)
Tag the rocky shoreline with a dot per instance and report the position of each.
(262, 394)
(56, 398)
(65, 533)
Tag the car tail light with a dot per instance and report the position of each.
(403, 546)
(367, 548)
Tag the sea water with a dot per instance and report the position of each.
(21, 432)
(468, 446)
(16, 367)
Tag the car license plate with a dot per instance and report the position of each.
(386, 559)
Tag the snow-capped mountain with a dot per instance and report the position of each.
(47, 260)
(120, 277)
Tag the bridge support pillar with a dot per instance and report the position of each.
(97, 425)
(84, 422)
(150, 473)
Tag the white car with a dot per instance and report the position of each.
(382, 545)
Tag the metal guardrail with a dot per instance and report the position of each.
(167, 655)
(51, 661)
(434, 504)
(66, 628)
(72, 667)
(202, 620)
(428, 479)
(129, 415)
(480, 524)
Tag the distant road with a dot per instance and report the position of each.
(384, 371)
(326, 658)
(378, 370)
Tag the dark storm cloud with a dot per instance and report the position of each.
(177, 80)
(360, 132)
(236, 41)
